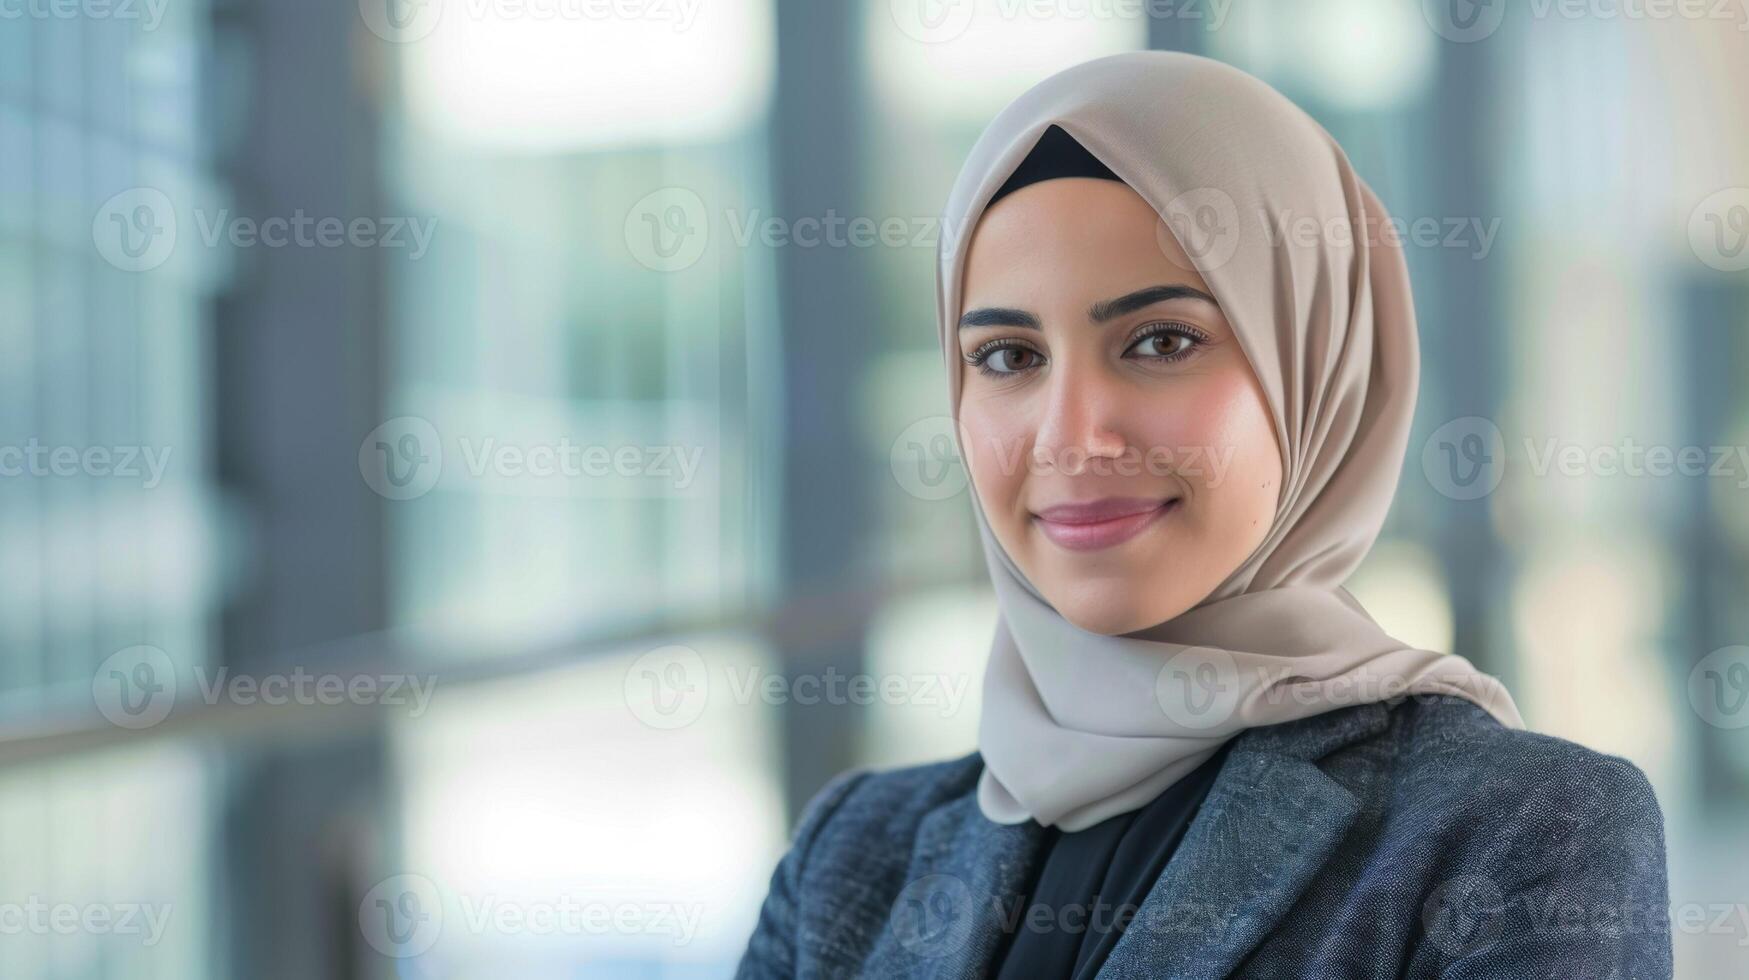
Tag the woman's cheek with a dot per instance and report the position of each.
(1239, 463)
(995, 443)
(1181, 428)
(1228, 427)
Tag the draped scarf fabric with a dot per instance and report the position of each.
(1078, 726)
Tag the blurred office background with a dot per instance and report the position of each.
(458, 453)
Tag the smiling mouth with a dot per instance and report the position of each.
(1101, 524)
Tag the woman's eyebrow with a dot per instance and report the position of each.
(1130, 302)
(998, 316)
(1100, 312)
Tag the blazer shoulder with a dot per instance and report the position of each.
(1561, 845)
(864, 804)
(1451, 749)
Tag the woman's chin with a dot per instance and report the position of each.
(1112, 616)
(1116, 590)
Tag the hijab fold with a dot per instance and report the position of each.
(1077, 726)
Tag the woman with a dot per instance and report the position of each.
(1182, 357)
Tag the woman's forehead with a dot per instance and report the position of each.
(1074, 236)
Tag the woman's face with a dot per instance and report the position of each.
(1117, 438)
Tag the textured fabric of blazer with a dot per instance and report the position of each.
(1412, 838)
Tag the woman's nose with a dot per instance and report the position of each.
(1082, 419)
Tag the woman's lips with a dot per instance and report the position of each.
(1100, 523)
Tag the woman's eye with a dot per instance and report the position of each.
(1161, 345)
(1161, 342)
(1169, 344)
(1009, 359)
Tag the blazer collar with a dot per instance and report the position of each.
(1271, 819)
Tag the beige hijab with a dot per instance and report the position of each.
(1078, 727)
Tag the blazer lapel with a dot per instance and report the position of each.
(1270, 821)
(963, 882)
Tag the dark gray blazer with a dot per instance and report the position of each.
(1415, 838)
